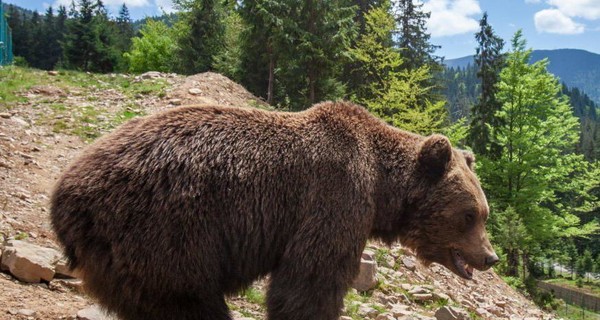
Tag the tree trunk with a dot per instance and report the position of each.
(513, 263)
(271, 75)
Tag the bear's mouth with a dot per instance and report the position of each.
(462, 268)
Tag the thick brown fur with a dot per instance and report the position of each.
(171, 212)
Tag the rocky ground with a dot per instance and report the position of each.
(49, 117)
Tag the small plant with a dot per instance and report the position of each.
(21, 236)
(254, 295)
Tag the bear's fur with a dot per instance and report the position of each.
(171, 212)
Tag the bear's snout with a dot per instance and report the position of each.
(491, 260)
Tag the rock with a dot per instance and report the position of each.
(418, 290)
(482, 312)
(19, 121)
(423, 296)
(345, 318)
(367, 277)
(26, 312)
(52, 73)
(5, 115)
(29, 262)
(441, 296)
(176, 102)
(409, 263)
(451, 313)
(150, 75)
(62, 270)
(367, 311)
(93, 313)
(368, 255)
(70, 284)
(385, 316)
(195, 91)
(400, 310)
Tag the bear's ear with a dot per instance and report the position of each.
(435, 154)
(470, 158)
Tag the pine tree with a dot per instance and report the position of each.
(264, 40)
(389, 92)
(125, 28)
(536, 173)
(106, 56)
(202, 34)
(36, 41)
(321, 38)
(228, 61)
(48, 46)
(413, 38)
(79, 46)
(489, 60)
(16, 21)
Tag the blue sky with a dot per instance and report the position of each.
(546, 24)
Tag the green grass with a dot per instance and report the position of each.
(573, 312)
(591, 287)
(13, 80)
(255, 296)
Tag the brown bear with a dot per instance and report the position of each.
(170, 213)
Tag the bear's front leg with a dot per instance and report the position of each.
(314, 275)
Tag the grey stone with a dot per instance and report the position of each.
(195, 91)
(451, 313)
(62, 270)
(409, 263)
(367, 277)
(93, 313)
(26, 312)
(29, 262)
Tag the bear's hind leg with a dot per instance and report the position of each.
(213, 308)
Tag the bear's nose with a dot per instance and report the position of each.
(491, 260)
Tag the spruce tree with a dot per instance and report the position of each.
(106, 56)
(314, 61)
(489, 60)
(263, 42)
(412, 36)
(125, 27)
(389, 92)
(79, 46)
(202, 34)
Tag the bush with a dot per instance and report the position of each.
(154, 50)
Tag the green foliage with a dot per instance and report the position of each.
(153, 50)
(201, 33)
(393, 94)
(228, 61)
(489, 60)
(536, 180)
(413, 39)
(457, 133)
(254, 296)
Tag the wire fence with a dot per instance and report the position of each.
(6, 50)
(578, 304)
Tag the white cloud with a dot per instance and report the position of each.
(110, 3)
(555, 21)
(451, 17)
(165, 5)
(587, 9)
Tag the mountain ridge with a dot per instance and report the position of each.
(575, 67)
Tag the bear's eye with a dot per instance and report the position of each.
(470, 217)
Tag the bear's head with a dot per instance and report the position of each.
(448, 210)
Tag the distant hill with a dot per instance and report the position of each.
(577, 68)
